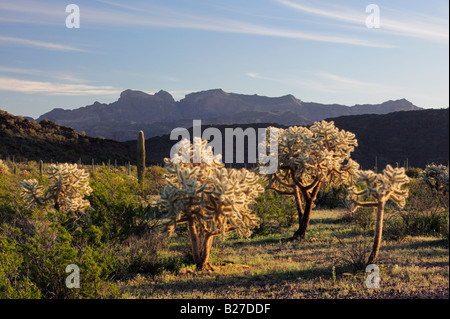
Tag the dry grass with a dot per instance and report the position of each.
(324, 265)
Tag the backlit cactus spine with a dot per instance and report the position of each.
(141, 157)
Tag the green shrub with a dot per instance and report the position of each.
(331, 197)
(413, 172)
(363, 217)
(425, 213)
(46, 256)
(13, 283)
(275, 212)
(118, 208)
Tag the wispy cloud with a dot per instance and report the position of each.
(51, 88)
(150, 15)
(61, 76)
(407, 24)
(170, 18)
(40, 44)
(345, 84)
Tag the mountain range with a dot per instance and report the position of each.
(157, 114)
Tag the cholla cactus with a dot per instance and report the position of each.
(379, 189)
(3, 168)
(436, 176)
(210, 198)
(69, 186)
(310, 159)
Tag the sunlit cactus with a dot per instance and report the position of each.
(436, 177)
(3, 168)
(210, 198)
(310, 159)
(69, 185)
(379, 188)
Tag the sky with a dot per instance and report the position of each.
(347, 52)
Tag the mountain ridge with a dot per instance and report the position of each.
(158, 113)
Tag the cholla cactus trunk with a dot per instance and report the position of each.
(141, 157)
(309, 199)
(378, 233)
(200, 245)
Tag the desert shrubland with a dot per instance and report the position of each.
(234, 221)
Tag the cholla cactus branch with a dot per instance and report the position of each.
(32, 193)
(69, 185)
(381, 187)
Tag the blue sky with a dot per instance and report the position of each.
(320, 51)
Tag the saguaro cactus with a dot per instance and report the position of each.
(379, 188)
(210, 198)
(141, 157)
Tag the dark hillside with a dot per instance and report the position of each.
(419, 137)
(48, 141)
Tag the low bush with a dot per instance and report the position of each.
(275, 212)
(425, 213)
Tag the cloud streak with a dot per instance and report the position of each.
(50, 88)
(40, 44)
(115, 14)
(174, 19)
(427, 27)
